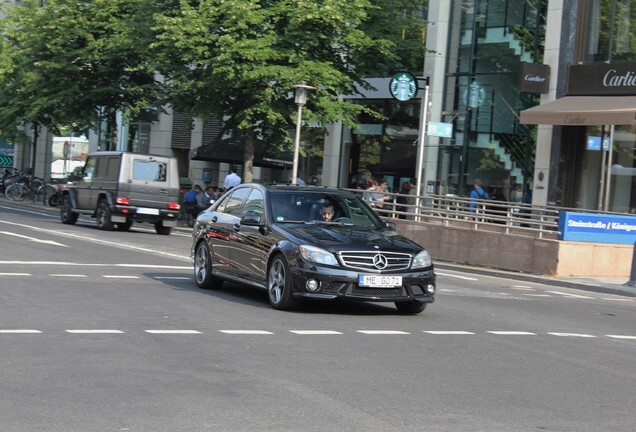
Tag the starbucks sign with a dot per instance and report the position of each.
(403, 86)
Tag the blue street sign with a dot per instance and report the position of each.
(443, 130)
(594, 143)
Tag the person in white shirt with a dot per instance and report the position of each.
(231, 180)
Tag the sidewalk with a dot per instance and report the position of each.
(609, 285)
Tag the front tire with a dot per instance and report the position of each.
(279, 285)
(410, 308)
(203, 269)
(102, 216)
(67, 215)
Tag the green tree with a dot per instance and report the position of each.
(239, 60)
(67, 61)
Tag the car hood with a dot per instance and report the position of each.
(338, 238)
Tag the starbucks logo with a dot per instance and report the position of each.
(403, 86)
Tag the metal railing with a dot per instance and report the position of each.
(486, 215)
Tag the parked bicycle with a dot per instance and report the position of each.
(23, 187)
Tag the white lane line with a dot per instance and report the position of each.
(19, 331)
(511, 333)
(621, 337)
(456, 276)
(62, 263)
(522, 288)
(82, 237)
(537, 295)
(16, 274)
(617, 299)
(315, 332)
(246, 332)
(96, 331)
(68, 275)
(172, 278)
(383, 332)
(119, 277)
(173, 332)
(570, 295)
(581, 335)
(33, 239)
(448, 332)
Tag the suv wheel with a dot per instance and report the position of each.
(102, 216)
(163, 230)
(66, 214)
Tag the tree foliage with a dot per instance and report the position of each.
(65, 61)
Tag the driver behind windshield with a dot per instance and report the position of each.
(326, 212)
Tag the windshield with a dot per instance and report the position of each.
(321, 207)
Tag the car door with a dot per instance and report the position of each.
(247, 252)
(83, 186)
(222, 232)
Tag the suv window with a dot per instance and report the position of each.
(149, 170)
(107, 169)
(89, 168)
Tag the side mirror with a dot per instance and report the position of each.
(251, 219)
(390, 225)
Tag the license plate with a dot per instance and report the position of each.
(378, 281)
(148, 211)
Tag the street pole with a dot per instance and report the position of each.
(608, 180)
(301, 100)
(297, 144)
(421, 148)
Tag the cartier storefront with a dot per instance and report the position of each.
(597, 136)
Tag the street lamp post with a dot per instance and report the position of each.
(301, 100)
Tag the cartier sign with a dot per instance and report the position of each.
(602, 79)
(534, 78)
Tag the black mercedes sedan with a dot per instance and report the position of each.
(307, 242)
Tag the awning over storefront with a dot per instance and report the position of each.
(583, 111)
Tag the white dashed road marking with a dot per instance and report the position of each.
(172, 278)
(96, 331)
(316, 332)
(68, 275)
(19, 331)
(119, 277)
(581, 335)
(511, 333)
(451, 332)
(246, 332)
(33, 239)
(383, 332)
(621, 337)
(15, 274)
(173, 332)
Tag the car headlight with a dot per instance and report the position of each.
(317, 255)
(422, 259)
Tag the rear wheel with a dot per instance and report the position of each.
(66, 214)
(410, 308)
(163, 230)
(102, 216)
(15, 192)
(279, 285)
(203, 268)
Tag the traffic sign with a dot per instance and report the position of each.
(443, 130)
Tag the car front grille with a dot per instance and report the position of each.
(376, 262)
(352, 290)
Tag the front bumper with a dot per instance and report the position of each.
(342, 283)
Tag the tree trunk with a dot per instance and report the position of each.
(34, 146)
(111, 124)
(248, 157)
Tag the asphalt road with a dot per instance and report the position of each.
(106, 331)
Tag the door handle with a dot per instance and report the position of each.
(237, 227)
